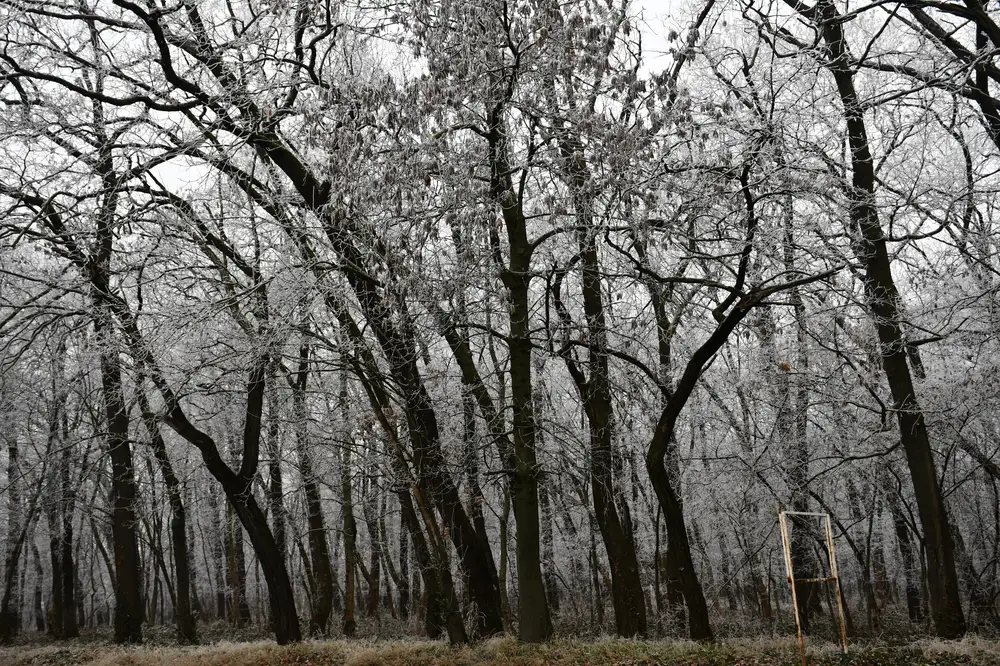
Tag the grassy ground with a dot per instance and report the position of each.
(503, 652)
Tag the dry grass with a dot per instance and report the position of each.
(504, 652)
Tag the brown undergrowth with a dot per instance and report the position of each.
(504, 652)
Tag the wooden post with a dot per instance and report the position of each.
(791, 581)
(833, 577)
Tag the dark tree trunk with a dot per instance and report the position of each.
(595, 393)
(442, 607)
(239, 609)
(535, 623)
(508, 619)
(404, 572)
(67, 507)
(70, 628)
(238, 489)
(348, 622)
(882, 300)
(16, 535)
(275, 485)
(679, 556)
(319, 551)
(433, 478)
(128, 577)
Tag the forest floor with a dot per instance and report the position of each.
(502, 652)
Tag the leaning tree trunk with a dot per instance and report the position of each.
(882, 300)
(678, 546)
(442, 611)
(238, 487)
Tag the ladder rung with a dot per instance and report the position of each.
(815, 580)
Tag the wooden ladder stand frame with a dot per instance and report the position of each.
(786, 544)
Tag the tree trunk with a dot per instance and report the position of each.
(238, 489)
(16, 534)
(404, 572)
(319, 551)
(535, 623)
(239, 608)
(275, 485)
(882, 300)
(350, 544)
(128, 577)
(67, 507)
(595, 393)
(184, 616)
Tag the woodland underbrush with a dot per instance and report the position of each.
(94, 650)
